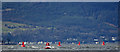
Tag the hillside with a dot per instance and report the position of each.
(59, 21)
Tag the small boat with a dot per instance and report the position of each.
(48, 46)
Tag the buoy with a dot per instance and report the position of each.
(79, 43)
(22, 44)
(103, 43)
(48, 46)
(59, 44)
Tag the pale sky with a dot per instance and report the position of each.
(60, 0)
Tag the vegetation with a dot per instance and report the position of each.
(59, 21)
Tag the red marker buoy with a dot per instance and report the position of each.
(103, 43)
(59, 44)
(47, 46)
(79, 43)
(22, 44)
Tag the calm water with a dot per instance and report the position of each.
(60, 51)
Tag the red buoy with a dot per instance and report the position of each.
(79, 43)
(22, 44)
(59, 44)
(47, 44)
(103, 43)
